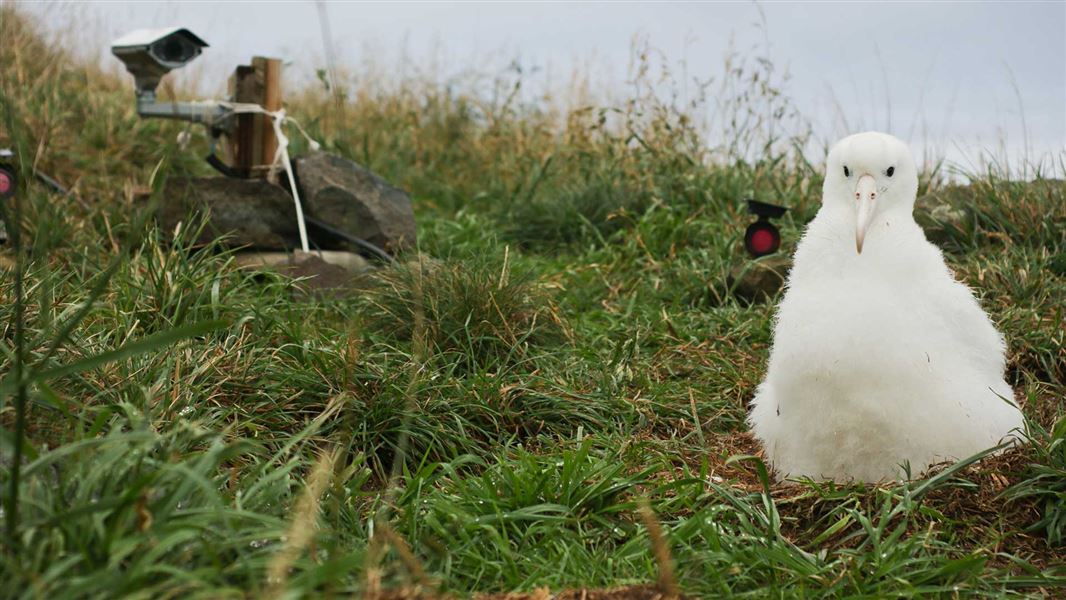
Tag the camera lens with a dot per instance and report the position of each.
(172, 50)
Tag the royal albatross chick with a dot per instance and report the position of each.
(880, 357)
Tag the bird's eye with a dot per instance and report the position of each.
(847, 173)
(891, 171)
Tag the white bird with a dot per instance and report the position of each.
(880, 357)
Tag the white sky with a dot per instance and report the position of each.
(953, 77)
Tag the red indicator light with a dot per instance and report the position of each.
(762, 241)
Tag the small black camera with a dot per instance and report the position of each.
(762, 237)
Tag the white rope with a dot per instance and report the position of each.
(277, 119)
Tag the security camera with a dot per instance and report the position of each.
(149, 54)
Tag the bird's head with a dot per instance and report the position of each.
(870, 174)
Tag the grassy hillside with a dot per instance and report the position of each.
(556, 399)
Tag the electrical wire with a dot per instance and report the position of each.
(52, 183)
(363, 244)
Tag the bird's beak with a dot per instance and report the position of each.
(865, 195)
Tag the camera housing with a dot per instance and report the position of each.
(762, 237)
(149, 54)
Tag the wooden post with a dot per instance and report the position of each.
(253, 143)
(271, 70)
(241, 140)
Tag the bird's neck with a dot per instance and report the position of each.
(894, 242)
(892, 222)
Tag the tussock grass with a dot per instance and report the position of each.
(485, 311)
(487, 415)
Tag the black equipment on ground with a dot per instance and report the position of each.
(762, 237)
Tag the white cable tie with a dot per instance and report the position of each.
(281, 154)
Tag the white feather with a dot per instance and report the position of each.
(879, 358)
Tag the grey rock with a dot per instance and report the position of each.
(329, 273)
(349, 197)
(318, 277)
(349, 261)
(251, 212)
(251, 259)
(759, 280)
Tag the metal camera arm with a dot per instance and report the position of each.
(215, 115)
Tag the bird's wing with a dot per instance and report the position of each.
(957, 307)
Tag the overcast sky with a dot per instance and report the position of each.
(956, 76)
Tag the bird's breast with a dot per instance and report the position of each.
(862, 331)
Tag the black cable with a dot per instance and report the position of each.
(365, 245)
(213, 160)
(52, 183)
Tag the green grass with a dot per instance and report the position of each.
(490, 415)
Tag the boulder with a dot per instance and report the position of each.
(348, 197)
(251, 212)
